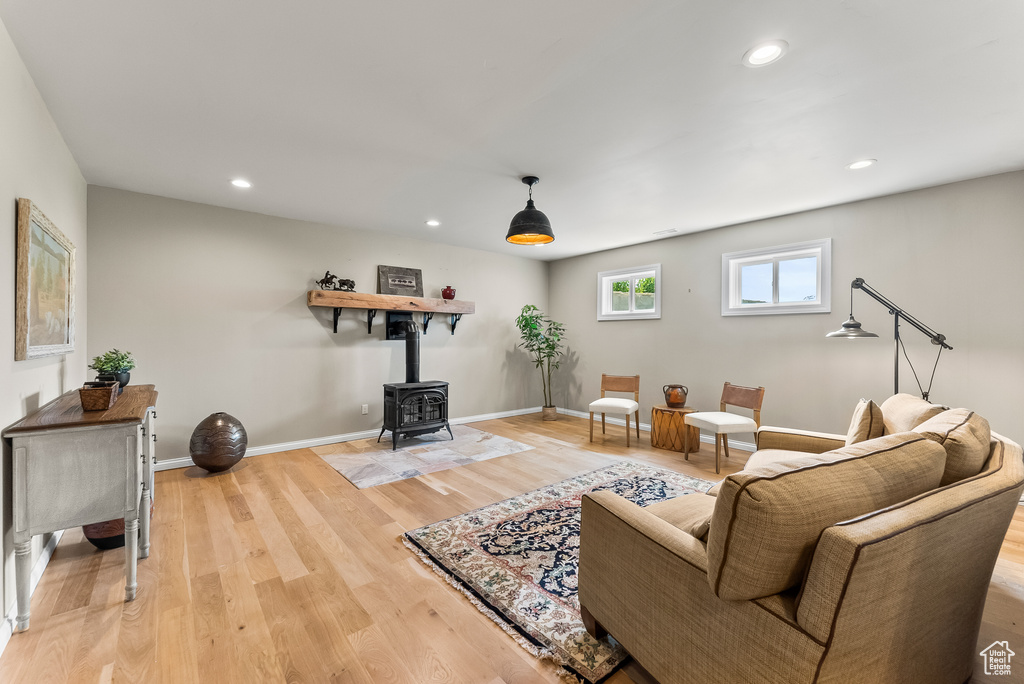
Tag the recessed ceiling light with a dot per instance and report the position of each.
(765, 53)
(433, 223)
(241, 183)
(667, 231)
(862, 164)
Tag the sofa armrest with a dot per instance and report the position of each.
(601, 504)
(645, 582)
(789, 439)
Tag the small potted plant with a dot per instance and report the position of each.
(114, 365)
(542, 338)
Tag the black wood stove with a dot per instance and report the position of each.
(412, 407)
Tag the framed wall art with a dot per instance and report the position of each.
(44, 313)
(395, 280)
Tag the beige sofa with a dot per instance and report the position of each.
(867, 563)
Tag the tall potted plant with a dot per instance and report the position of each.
(542, 338)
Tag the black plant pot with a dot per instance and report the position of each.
(122, 378)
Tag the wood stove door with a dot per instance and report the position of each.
(430, 406)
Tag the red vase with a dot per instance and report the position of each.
(448, 292)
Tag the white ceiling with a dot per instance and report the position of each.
(637, 115)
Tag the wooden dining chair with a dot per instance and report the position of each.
(722, 422)
(615, 406)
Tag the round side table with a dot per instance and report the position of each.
(667, 427)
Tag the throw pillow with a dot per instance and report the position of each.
(691, 513)
(866, 423)
(904, 412)
(965, 436)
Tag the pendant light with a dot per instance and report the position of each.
(530, 226)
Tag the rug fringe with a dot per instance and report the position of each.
(532, 649)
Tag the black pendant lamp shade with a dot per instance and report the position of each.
(530, 226)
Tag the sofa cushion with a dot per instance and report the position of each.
(903, 412)
(767, 520)
(690, 512)
(965, 436)
(763, 457)
(866, 422)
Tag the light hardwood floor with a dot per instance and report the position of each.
(281, 571)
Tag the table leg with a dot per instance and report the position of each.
(23, 578)
(131, 550)
(144, 522)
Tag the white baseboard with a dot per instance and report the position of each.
(171, 463)
(7, 626)
(185, 462)
(585, 415)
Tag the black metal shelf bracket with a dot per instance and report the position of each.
(372, 313)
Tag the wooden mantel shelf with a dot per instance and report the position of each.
(339, 299)
(362, 300)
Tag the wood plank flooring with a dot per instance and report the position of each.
(281, 571)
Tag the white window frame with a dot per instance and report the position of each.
(604, 293)
(732, 263)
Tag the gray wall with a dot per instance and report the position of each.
(35, 164)
(949, 255)
(212, 302)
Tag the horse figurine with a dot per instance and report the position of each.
(333, 282)
(328, 282)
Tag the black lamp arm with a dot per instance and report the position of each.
(936, 338)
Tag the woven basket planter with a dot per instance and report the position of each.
(98, 396)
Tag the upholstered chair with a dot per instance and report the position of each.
(617, 406)
(722, 422)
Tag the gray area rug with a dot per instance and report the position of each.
(367, 463)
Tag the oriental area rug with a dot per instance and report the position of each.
(368, 463)
(517, 560)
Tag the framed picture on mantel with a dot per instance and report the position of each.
(395, 280)
(44, 317)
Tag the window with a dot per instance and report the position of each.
(629, 293)
(778, 280)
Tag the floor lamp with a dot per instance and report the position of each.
(852, 330)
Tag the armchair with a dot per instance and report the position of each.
(850, 566)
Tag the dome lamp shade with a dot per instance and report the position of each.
(530, 226)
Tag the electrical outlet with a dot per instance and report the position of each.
(366, 409)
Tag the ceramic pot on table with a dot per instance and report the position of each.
(675, 395)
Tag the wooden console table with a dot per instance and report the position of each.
(75, 467)
(667, 428)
